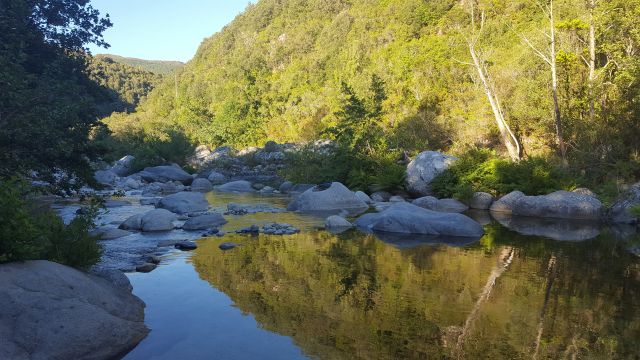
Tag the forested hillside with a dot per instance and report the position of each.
(128, 85)
(276, 73)
(160, 67)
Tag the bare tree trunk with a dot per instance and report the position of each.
(509, 139)
(554, 87)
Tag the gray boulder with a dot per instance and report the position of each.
(50, 311)
(132, 184)
(111, 233)
(620, 212)
(481, 201)
(165, 174)
(423, 169)
(157, 220)
(184, 203)
(396, 198)
(240, 186)
(505, 204)
(204, 222)
(560, 204)
(337, 222)
(380, 196)
(364, 197)
(405, 218)
(105, 177)
(151, 221)
(285, 187)
(327, 198)
(441, 205)
(216, 178)
(123, 166)
(201, 185)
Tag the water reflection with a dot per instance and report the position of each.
(508, 296)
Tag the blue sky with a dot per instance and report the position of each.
(163, 29)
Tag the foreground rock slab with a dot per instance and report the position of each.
(50, 311)
(405, 218)
(328, 198)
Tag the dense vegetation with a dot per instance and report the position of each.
(160, 67)
(48, 110)
(276, 72)
(128, 85)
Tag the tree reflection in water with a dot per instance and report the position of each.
(508, 296)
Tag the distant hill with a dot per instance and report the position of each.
(160, 67)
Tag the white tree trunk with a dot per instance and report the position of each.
(509, 139)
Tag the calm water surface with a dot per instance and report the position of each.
(355, 296)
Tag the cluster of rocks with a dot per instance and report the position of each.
(244, 209)
(270, 229)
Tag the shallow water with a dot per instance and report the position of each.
(353, 295)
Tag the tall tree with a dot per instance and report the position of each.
(550, 57)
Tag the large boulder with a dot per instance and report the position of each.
(505, 204)
(165, 174)
(105, 177)
(201, 185)
(560, 204)
(364, 197)
(240, 186)
(184, 203)
(328, 197)
(216, 178)
(405, 218)
(203, 222)
(50, 311)
(123, 166)
(441, 205)
(480, 201)
(621, 211)
(423, 169)
(151, 221)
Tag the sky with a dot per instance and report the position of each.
(163, 29)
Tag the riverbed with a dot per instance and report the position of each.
(353, 295)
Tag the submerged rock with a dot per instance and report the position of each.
(184, 203)
(423, 169)
(279, 229)
(204, 222)
(186, 245)
(111, 233)
(243, 209)
(328, 197)
(407, 218)
(50, 311)
(228, 246)
(146, 267)
(337, 222)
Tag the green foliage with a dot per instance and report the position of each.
(635, 210)
(483, 170)
(159, 67)
(48, 104)
(361, 158)
(128, 85)
(29, 232)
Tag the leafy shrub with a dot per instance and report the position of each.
(635, 211)
(28, 232)
(482, 170)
